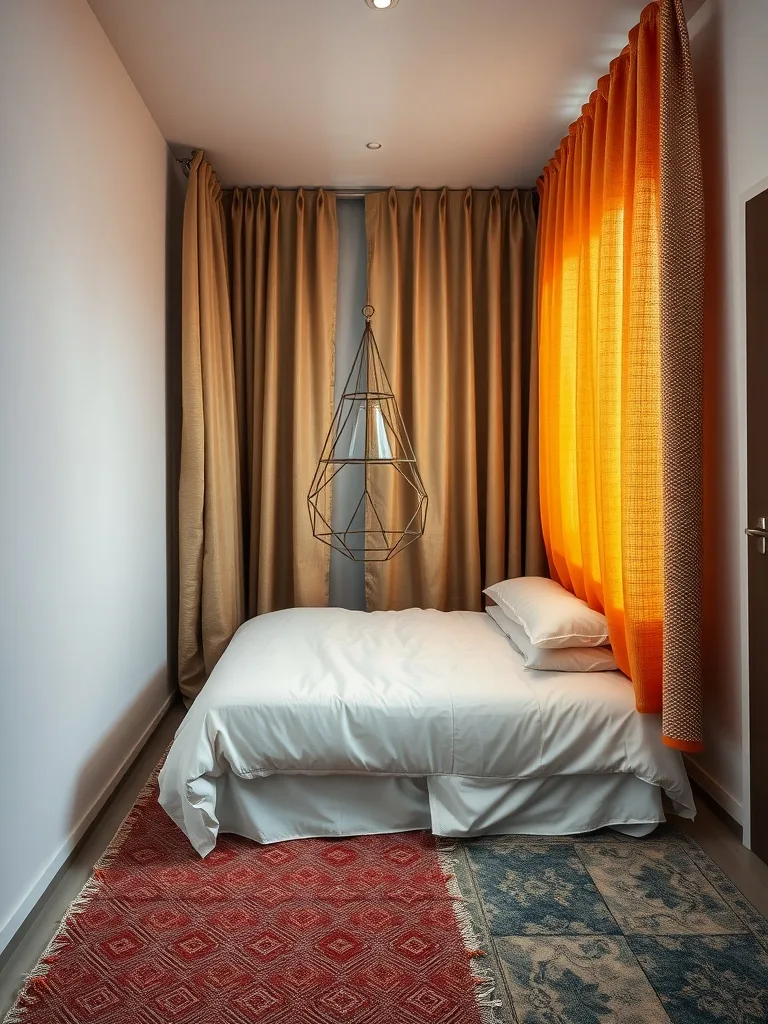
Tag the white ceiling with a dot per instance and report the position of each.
(288, 92)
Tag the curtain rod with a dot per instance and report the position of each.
(354, 192)
(340, 192)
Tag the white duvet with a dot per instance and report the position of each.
(414, 693)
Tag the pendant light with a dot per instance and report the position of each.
(368, 444)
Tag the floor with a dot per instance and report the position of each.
(748, 873)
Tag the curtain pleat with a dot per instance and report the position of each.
(259, 304)
(451, 277)
(284, 258)
(210, 542)
(620, 265)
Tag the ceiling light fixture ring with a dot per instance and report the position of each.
(380, 6)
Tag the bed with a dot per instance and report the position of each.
(328, 722)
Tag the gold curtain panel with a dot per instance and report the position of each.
(283, 281)
(258, 320)
(210, 536)
(621, 270)
(451, 275)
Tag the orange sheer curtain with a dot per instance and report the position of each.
(603, 445)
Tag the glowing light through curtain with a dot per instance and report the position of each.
(620, 296)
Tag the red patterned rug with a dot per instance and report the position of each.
(314, 931)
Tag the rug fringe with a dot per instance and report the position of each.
(145, 795)
(488, 1006)
(37, 976)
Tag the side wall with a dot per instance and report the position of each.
(84, 174)
(728, 40)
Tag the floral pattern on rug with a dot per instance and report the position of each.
(607, 929)
(542, 888)
(707, 977)
(586, 979)
(654, 888)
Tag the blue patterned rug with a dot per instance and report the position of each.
(603, 928)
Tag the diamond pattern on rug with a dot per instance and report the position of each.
(313, 931)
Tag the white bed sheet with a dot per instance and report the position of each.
(284, 807)
(415, 694)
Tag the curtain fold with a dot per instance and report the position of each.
(210, 540)
(258, 312)
(451, 277)
(620, 267)
(283, 270)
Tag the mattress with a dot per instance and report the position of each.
(416, 694)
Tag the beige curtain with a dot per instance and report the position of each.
(283, 272)
(258, 308)
(210, 541)
(451, 277)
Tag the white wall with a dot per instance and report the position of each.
(728, 39)
(83, 173)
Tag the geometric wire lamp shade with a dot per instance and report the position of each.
(369, 445)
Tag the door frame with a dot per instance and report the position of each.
(739, 299)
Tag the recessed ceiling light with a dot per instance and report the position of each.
(373, 145)
(381, 5)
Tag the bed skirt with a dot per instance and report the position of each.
(287, 806)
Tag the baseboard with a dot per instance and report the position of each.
(58, 863)
(724, 800)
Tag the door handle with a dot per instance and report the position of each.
(760, 533)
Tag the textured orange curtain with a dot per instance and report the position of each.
(621, 260)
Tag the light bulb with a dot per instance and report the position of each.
(357, 442)
(383, 448)
(373, 442)
(382, 3)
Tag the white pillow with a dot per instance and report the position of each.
(561, 659)
(549, 614)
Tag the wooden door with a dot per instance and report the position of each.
(757, 510)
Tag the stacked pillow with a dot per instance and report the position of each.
(551, 628)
